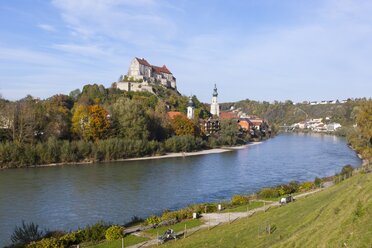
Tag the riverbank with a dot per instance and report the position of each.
(168, 155)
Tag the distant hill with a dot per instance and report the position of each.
(280, 113)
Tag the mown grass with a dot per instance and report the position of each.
(243, 208)
(128, 241)
(176, 227)
(339, 216)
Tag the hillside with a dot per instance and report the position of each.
(289, 113)
(336, 217)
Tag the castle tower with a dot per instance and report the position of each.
(215, 108)
(190, 109)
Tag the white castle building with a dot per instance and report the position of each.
(142, 76)
(215, 108)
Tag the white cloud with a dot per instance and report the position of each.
(134, 22)
(47, 27)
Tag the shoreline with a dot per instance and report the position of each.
(167, 155)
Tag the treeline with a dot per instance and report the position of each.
(98, 124)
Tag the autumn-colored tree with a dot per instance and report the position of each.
(182, 126)
(90, 122)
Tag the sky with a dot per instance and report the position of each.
(261, 50)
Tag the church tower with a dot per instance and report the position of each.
(190, 109)
(215, 108)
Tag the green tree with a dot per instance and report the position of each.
(229, 133)
(130, 119)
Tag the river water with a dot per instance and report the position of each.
(68, 197)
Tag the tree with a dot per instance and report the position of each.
(229, 132)
(130, 119)
(58, 116)
(182, 126)
(99, 122)
(90, 122)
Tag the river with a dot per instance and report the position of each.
(72, 196)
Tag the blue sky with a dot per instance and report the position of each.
(263, 50)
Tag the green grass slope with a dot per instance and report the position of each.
(339, 216)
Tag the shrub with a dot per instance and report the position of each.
(268, 193)
(26, 233)
(72, 238)
(306, 186)
(94, 232)
(317, 181)
(114, 232)
(46, 243)
(153, 220)
(170, 215)
(347, 170)
(239, 199)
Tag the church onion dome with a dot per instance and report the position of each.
(215, 91)
(190, 104)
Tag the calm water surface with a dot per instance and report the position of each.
(68, 197)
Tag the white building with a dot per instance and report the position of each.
(215, 108)
(142, 76)
(190, 109)
(331, 127)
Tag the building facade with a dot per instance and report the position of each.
(142, 76)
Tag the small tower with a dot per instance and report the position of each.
(215, 108)
(190, 109)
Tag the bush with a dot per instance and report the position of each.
(46, 243)
(72, 238)
(347, 171)
(94, 232)
(26, 233)
(268, 193)
(317, 182)
(153, 220)
(306, 186)
(239, 199)
(114, 232)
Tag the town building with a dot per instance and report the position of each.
(215, 108)
(142, 76)
(190, 109)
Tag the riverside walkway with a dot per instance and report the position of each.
(212, 220)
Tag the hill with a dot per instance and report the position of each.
(289, 113)
(336, 217)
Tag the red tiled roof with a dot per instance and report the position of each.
(143, 61)
(228, 115)
(173, 114)
(245, 123)
(162, 69)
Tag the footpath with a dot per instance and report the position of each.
(211, 220)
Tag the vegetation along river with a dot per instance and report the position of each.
(68, 197)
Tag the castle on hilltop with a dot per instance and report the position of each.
(142, 76)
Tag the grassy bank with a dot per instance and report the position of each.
(336, 217)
